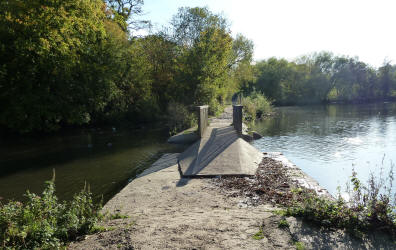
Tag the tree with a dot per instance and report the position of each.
(51, 62)
(161, 53)
(205, 50)
(125, 13)
(242, 50)
(189, 23)
(385, 80)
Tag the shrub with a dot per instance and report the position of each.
(370, 207)
(44, 222)
(180, 117)
(255, 106)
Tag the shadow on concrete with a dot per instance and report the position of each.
(166, 161)
(182, 182)
(198, 156)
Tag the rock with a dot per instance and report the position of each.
(256, 135)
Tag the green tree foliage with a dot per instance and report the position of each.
(255, 106)
(205, 47)
(162, 54)
(75, 62)
(322, 77)
(50, 58)
(208, 55)
(66, 63)
(125, 13)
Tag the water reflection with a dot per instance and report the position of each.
(327, 141)
(105, 159)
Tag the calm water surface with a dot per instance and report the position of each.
(106, 159)
(326, 142)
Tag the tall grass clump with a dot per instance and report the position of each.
(44, 222)
(255, 106)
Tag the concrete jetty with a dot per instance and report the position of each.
(163, 210)
(220, 150)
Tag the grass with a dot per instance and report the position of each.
(118, 215)
(299, 245)
(259, 235)
(283, 224)
(100, 229)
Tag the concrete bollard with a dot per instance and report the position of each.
(202, 119)
(237, 118)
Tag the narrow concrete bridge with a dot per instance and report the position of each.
(220, 150)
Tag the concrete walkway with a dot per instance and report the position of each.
(220, 151)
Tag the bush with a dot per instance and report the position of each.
(255, 106)
(179, 117)
(44, 222)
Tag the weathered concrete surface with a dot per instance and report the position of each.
(168, 212)
(220, 151)
(187, 136)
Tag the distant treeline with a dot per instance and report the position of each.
(74, 62)
(319, 77)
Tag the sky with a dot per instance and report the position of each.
(292, 28)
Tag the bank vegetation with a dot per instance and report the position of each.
(73, 63)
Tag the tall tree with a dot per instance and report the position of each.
(127, 12)
(385, 79)
(205, 50)
(50, 59)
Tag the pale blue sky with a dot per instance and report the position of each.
(291, 28)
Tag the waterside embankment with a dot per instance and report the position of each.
(162, 209)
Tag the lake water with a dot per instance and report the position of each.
(327, 142)
(104, 158)
(324, 141)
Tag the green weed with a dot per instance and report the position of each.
(367, 209)
(299, 245)
(255, 106)
(118, 215)
(259, 235)
(44, 222)
(283, 224)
